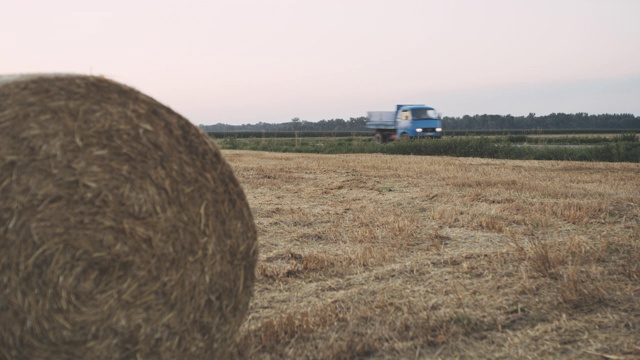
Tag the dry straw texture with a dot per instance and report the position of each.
(416, 257)
(123, 232)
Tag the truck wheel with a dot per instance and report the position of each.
(404, 137)
(378, 138)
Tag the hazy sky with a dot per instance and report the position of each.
(247, 61)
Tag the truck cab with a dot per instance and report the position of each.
(418, 121)
(408, 121)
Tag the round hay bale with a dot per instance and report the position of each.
(123, 232)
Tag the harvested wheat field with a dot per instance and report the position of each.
(405, 257)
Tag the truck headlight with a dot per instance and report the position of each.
(438, 129)
(418, 130)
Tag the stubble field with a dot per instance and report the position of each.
(409, 257)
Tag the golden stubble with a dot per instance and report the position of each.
(423, 257)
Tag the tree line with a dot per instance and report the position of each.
(467, 122)
(353, 124)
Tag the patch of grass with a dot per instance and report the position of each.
(517, 138)
(627, 137)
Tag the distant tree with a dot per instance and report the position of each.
(295, 123)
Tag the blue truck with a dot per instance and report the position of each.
(407, 122)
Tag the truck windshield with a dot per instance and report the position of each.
(420, 114)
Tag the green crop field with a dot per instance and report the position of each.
(623, 147)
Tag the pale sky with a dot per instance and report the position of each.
(247, 61)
